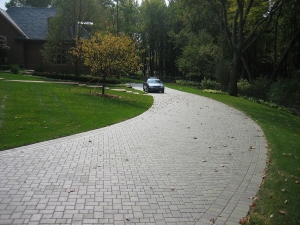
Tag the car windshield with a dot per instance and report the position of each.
(154, 81)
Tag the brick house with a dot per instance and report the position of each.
(24, 30)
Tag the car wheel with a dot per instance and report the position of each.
(145, 88)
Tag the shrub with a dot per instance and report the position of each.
(5, 67)
(40, 68)
(283, 92)
(270, 104)
(222, 73)
(205, 84)
(188, 83)
(210, 84)
(260, 88)
(214, 91)
(15, 69)
(244, 87)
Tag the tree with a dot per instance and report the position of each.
(4, 50)
(107, 54)
(28, 3)
(199, 39)
(199, 57)
(153, 33)
(127, 16)
(286, 53)
(75, 19)
(235, 14)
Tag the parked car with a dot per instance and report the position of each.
(153, 84)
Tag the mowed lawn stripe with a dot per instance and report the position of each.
(34, 112)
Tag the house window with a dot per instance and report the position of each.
(3, 49)
(2, 40)
(61, 57)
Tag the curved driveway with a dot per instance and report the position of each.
(187, 160)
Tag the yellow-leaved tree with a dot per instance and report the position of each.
(107, 54)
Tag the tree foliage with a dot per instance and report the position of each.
(108, 54)
(128, 16)
(192, 39)
(199, 56)
(75, 19)
(258, 38)
(4, 50)
(153, 34)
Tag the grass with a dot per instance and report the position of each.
(278, 200)
(33, 112)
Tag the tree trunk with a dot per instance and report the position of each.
(151, 60)
(103, 83)
(235, 73)
(76, 67)
(246, 66)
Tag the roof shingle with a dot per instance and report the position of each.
(33, 22)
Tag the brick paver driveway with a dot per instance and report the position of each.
(187, 160)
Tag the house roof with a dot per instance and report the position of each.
(31, 22)
(12, 22)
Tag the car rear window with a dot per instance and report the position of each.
(154, 81)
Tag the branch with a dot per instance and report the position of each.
(225, 21)
(253, 33)
(285, 54)
(267, 20)
(233, 35)
(245, 63)
(241, 22)
(249, 6)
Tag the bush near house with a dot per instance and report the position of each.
(15, 69)
(5, 67)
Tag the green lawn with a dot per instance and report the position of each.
(33, 112)
(278, 200)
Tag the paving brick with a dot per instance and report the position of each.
(90, 221)
(161, 167)
(17, 221)
(36, 217)
(47, 221)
